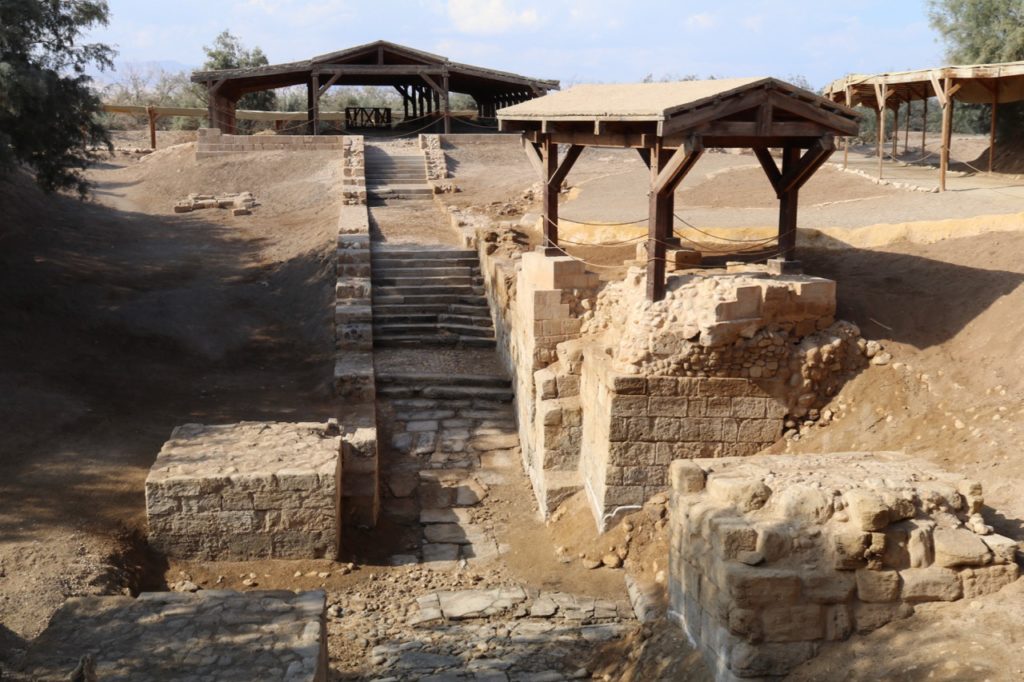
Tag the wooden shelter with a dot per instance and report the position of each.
(670, 125)
(993, 84)
(424, 81)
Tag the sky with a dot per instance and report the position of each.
(574, 41)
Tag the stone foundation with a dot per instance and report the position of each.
(213, 143)
(771, 556)
(611, 387)
(354, 379)
(208, 635)
(247, 491)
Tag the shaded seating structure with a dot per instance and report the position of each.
(671, 125)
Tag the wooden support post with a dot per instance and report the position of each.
(846, 140)
(788, 202)
(992, 129)
(906, 129)
(947, 132)
(151, 115)
(316, 103)
(309, 106)
(895, 130)
(549, 158)
(924, 127)
(447, 105)
(672, 168)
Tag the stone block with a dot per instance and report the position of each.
(247, 491)
(752, 587)
(828, 587)
(959, 547)
(1004, 550)
(877, 586)
(799, 623)
(743, 493)
(977, 582)
(866, 509)
(686, 477)
(930, 584)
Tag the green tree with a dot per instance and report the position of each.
(981, 32)
(49, 115)
(227, 52)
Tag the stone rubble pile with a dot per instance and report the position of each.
(240, 203)
(772, 556)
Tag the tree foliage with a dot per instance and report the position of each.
(981, 32)
(227, 52)
(48, 113)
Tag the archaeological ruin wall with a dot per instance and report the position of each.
(354, 378)
(212, 143)
(773, 556)
(610, 387)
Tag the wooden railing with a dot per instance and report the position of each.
(154, 113)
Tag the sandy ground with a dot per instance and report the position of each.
(125, 320)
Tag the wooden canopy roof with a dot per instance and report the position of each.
(979, 84)
(377, 63)
(671, 124)
(736, 112)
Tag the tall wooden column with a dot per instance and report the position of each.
(788, 203)
(895, 130)
(924, 127)
(992, 128)
(947, 131)
(659, 217)
(881, 97)
(316, 103)
(447, 105)
(549, 155)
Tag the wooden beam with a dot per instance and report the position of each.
(803, 167)
(924, 127)
(645, 155)
(566, 165)
(895, 130)
(732, 105)
(807, 110)
(788, 203)
(770, 169)
(323, 88)
(533, 153)
(151, 116)
(549, 151)
(882, 95)
(947, 133)
(316, 103)
(446, 104)
(992, 129)
(680, 163)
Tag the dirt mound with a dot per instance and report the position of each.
(121, 323)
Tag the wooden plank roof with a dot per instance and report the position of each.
(980, 84)
(685, 107)
(378, 63)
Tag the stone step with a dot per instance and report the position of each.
(481, 320)
(413, 270)
(435, 340)
(417, 379)
(440, 289)
(399, 201)
(446, 392)
(425, 328)
(399, 310)
(379, 298)
(387, 264)
(479, 307)
(410, 315)
(407, 253)
(394, 191)
(388, 280)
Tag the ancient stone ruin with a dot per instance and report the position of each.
(774, 555)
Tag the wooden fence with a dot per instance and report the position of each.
(152, 114)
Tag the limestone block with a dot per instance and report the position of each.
(243, 488)
(866, 509)
(877, 586)
(743, 493)
(1004, 550)
(752, 587)
(972, 493)
(959, 547)
(686, 477)
(828, 587)
(731, 536)
(977, 582)
(868, 617)
(838, 622)
(761, 660)
(930, 584)
(908, 544)
(801, 504)
(800, 623)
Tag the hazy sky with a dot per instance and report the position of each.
(571, 40)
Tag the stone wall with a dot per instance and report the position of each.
(245, 491)
(611, 387)
(354, 381)
(437, 166)
(213, 143)
(772, 556)
(207, 635)
(635, 425)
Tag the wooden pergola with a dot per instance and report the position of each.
(993, 84)
(424, 81)
(670, 125)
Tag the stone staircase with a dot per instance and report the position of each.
(429, 297)
(391, 177)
